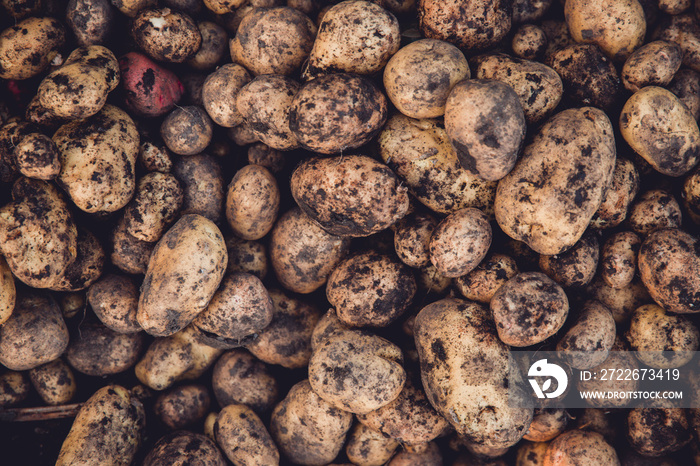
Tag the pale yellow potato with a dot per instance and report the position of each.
(219, 93)
(588, 341)
(243, 437)
(252, 202)
(547, 424)
(654, 64)
(54, 382)
(580, 447)
(8, 293)
(367, 447)
(43, 39)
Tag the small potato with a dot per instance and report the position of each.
(528, 309)
(486, 124)
(131, 7)
(657, 431)
(576, 266)
(302, 253)
(28, 48)
(54, 382)
(90, 21)
(352, 195)
(419, 77)
(213, 48)
(472, 26)
(529, 42)
(654, 64)
(620, 301)
(370, 290)
(653, 210)
(580, 447)
(155, 205)
(683, 30)
(420, 153)
(247, 256)
(620, 194)
(531, 454)
(669, 267)
(674, 7)
(86, 268)
(183, 448)
(354, 36)
(35, 333)
(306, 429)
(412, 239)
(252, 202)
(243, 437)
(423, 454)
(368, 447)
(239, 377)
(547, 424)
(662, 130)
(616, 26)
(166, 35)
(622, 360)
(686, 86)
(8, 292)
(220, 91)
(155, 158)
(14, 388)
(618, 259)
(266, 156)
(203, 186)
(10, 134)
(482, 283)
(221, 7)
(550, 196)
(662, 341)
(691, 196)
(265, 104)
(337, 112)
(589, 340)
(187, 130)
(287, 340)
(460, 242)
(98, 351)
(72, 304)
(239, 309)
(150, 90)
(525, 11)
(108, 429)
(597, 420)
(37, 157)
(129, 254)
(182, 406)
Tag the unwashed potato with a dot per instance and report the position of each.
(183, 274)
(203, 184)
(247, 256)
(683, 30)
(658, 431)
(618, 258)
(155, 205)
(187, 130)
(621, 301)
(8, 292)
(150, 90)
(28, 48)
(221, 7)
(619, 195)
(213, 48)
(37, 157)
(622, 360)
(368, 447)
(464, 366)
(460, 242)
(550, 196)
(686, 86)
(220, 91)
(129, 254)
(529, 10)
(654, 64)
(183, 448)
(266, 156)
(252, 202)
(662, 130)
(54, 382)
(306, 429)
(182, 406)
(652, 210)
(547, 424)
(354, 36)
(580, 447)
(14, 388)
(482, 283)
(243, 437)
(10, 134)
(86, 268)
(166, 35)
(529, 42)
(531, 453)
(239, 377)
(412, 238)
(99, 351)
(419, 77)
(576, 266)
(98, 160)
(90, 20)
(589, 340)
(108, 429)
(423, 454)
(352, 195)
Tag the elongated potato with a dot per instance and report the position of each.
(27, 48)
(252, 202)
(243, 437)
(8, 293)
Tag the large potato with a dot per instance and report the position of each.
(550, 196)
(183, 274)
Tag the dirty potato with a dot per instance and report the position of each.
(657, 431)
(155, 205)
(213, 48)
(482, 283)
(412, 239)
(183, 447)
(241, 378)
(252, 202)
(654, 64)
(99, 351)
(182, 406)
(90, 21)
(580, 446)
(166, 35)
(114, 300)
(621, 301)
(37, 157)
(618, 258)
(576, 266)
(130, 255)
(368, 447)
(87, 267)
(28, 48)
(529, 42)
(203, 186)
(619, 195)
(187, 130)
(243, 437)
(460, 242)
(8, 292)
(589, 340)
(220, 91)
(686, 86)
(14, 388)
(54, 382)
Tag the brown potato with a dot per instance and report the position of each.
(653, 210)
(108, 429)
(370, 290)
(221, 7)
(460, 242)
(239, 377)
(686, 86)
(654, 64)
(597, 420)
(327, 326)
(90, 20)
(547, 424)
(98, 351)
(621, 301)
(203, 185)
(182, 406)
(246, 256)
(482, 283)
(576, 266)
(266, 156)
(577, 447)
(486, 125)
(657, 431)
(131, 7)
(525, 11)
(54, 382)
(422, 454)
(683, 30)
(8, 292)
(252, 202)
(14, 388)
(86, 268)
(213, 48)
(531, 454)
(155, 205)
(528, 309)
(589, 340)
(619, 195)
(529, 42)
(28, 48)
(182, 448)
(37, 157)
(220, 91)
(368, 447)
(622, 360)
(352, 195)
(243, 437)
(412, 238)
(166, 35)
(10, 134)
(306, 429)
(187, 130)
(419, 77)
(129, 254)
(618, 259)
(155, 157)
(431, 280)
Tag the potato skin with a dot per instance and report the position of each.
(243, 437)
(550, 196)
(576, 266)
(99, 351)
(350, 195)
(203, 185)
(27, 48)
(8, 292)
(482, 283)
(618, 197)
(183, 448)
(580, 446)
(368, 447)
(252, 202)
(591, 338)
(183, 274)
(241, 378)
(657, 431)
(37, 157)
(460, 242)
(187, 130)
(412, 239)
(220, 91)
(166, 35)
(107, 430)
(90, 20)
(653, 64)
(618, 258)
(54, 382)
(654, 209)
(155, 205)
(182, 406)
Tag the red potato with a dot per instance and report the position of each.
(150, 89)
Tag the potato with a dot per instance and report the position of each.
(486, 125)
(72, 303)
(243, 437)
(10, 134)
(528, 309)
(654, 209)
(412, 238)
(368, 447)
(477, 25)
(166, 35)
(463, 367)
(580, 447)
(86, 268)
(220, 91)
(619, 259)
(203, 185)
(547, 424)
(239, 377)
(14, 388)
(662, 130)
(420, 153)
(90, 21)
(423, 454)
(620, 301)
(654, 64)
(273, 41)
(469, 228)
(247, 256)
(303, 254)
(8, 293)
(354, 36)
(482, 282)
(529, 42)
(351, 195)
(150, 90)
(213, 48)
(419, 77)
(621, 359)
(589, 340)
(657, 431)
(686, 86)
(108, 429)
(327, 326)
(187, 130)
(221, 7)
(691, 195)
(54, 382)
(37, 157)
(668, 265)
(306, 429)
(265, 104)
(337, 112)
(131, 7)
(182, 406)
(287, 340)
(589, 77)
(684, 31)
(239, 309)
(531, 454)
(525, 11)
(370, 290)
(619, 195)
(182, 448)
(155, 157)
(617, 27)
(99, 351)
(550, 196)
(431, 280)
(252, 202)
(575, 267)
(538, 86)
(129, 254)
(597, 420)
(155, 205)
(28, 48)
(266, 156)
(662, 341)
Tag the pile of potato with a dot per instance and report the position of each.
(310, 232)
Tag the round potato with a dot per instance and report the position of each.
(588, 342)
(547, 424)
(157, 201)
(182, 448)
(482, 283)
(28, 48)
(149, 89)
(8, 292)
(652, 210)
(576, 266)
(166, 35)
(187, 130)
(213, 48)
(657, 431)
(243, 437)
(129, 254)
(412, 239)
(621, 301)
(37, 157)
(686, 86)
(460, 242)
(580, 446)
(239, 377)
(99, 351)
(369, 447)
(90, 21)
(220, 91)
(252, 202)
(54, 382)
(618, 259)
(683, 30)
(182, 406)
(529, 42)
(654, 64)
